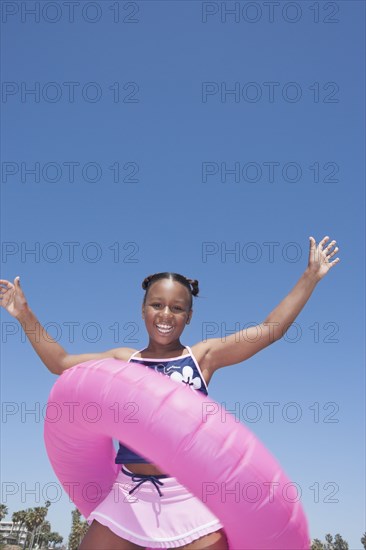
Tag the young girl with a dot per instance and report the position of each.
(152, 509)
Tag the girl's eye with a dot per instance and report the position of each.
(175, 307)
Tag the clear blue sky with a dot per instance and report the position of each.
(142, 91)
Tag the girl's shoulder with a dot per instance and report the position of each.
(124, 353)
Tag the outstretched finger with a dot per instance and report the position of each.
(330, 245)
(334, 262)
(312, 248)
(323, 241)
(331, 254)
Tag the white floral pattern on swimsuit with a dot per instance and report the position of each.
(187, 378)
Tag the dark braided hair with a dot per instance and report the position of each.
(190, 284)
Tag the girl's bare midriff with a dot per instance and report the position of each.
(145, 469)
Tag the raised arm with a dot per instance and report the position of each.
(51, 353)
(244, 344)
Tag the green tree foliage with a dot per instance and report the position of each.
(55, 537)
(42, 534)
(78, 530)
(19, 519)
(3, 511)
(337, 544)
(39, 529)
(34, 520)
(317, 545)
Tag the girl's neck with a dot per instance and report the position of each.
(174, 349)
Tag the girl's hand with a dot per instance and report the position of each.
(319, 257)
(12, 297)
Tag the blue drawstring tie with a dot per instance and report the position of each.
(141, 478)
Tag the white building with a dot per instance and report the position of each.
(9, 532)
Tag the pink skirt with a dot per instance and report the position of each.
(145, 518)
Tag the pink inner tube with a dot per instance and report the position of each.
(170, 425)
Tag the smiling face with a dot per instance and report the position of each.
(166, 311)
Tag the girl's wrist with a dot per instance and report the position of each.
(23, 313)
(311, 276)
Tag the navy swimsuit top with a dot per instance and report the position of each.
(184, 370)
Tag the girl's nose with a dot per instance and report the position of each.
(166, 311)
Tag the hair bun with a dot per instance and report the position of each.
(194, 285)
(146, 281)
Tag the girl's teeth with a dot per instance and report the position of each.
(164, 330)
